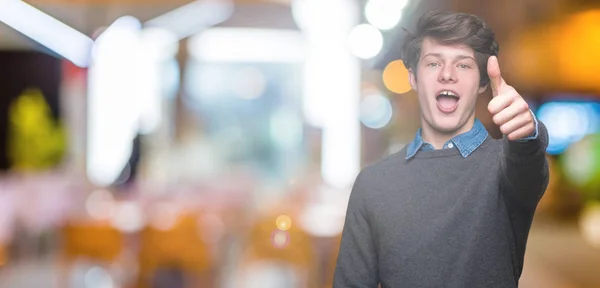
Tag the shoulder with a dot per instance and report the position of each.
(386, 165)
(373, 180)
(382, 172)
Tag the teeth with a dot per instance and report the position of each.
(447, 93)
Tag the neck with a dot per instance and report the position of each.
(438, 138)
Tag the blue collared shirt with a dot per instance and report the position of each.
(466, 142)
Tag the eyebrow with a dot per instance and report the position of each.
(439, 55)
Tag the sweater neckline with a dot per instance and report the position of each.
(447, 152)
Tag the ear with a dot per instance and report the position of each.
(483, 88)
(412, 78)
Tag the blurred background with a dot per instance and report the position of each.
(213, 143)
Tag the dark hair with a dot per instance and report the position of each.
(452, 28)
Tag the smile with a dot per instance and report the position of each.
(447, 101)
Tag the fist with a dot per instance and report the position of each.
(509, 110)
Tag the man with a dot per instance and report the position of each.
(454, 207)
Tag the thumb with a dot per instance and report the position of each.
(493, 69)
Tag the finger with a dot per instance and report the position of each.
(498, 103)
(493, 70)
(510, 112)
(522, 132)
(513, 125)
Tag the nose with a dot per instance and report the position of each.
(447, 74)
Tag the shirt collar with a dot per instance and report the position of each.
(466, 142)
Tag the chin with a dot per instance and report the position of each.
(447, 124)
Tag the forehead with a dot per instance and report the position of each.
(430, 46)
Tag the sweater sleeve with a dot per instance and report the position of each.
(357, 259)
(525, 172)
(525, 176)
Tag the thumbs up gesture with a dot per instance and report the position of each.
(509, 110)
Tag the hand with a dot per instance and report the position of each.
(509, 110)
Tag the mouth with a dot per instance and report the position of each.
(447, 101)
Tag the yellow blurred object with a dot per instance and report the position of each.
(562, 55)
(94, 240)
(35, 141)
(181, 246)
(579, 42)
(283, 222)
(3, 256)
(395, 77)
(551, 198)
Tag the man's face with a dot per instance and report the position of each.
(447, 82)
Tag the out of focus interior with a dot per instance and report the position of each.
(214, 143)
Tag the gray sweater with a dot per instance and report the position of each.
(443, 220)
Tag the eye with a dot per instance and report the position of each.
(433, 64)
(464, 66)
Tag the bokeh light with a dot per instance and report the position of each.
(100, 204)
(568, 122)
(98, 277)
(590, 224)
(128, 217)
(165, 216)
(375, 111)
(280, 239)
(365, 41)
(323, 219)
(283, 222)
(384, 14)
(581, 164)
(318, 15)
(395, 77)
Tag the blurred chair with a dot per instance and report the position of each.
(179, 249)
(278, 256)
(96, 241)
